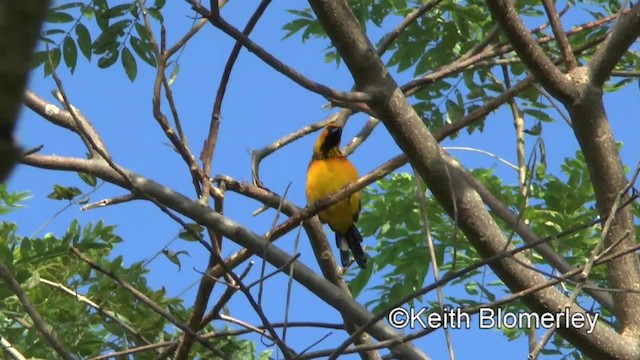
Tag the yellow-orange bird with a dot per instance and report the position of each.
(327, 173)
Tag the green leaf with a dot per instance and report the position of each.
(68, 6)
(108, 59)
(295, 26)
(535, 130)
(117, 11)
(88, 179)
(70, 53)
(129, 64)
(159, 4)
(58, 17)
(39, 57)
(174, 257)
(265, 354)
(155, 13)
(540, 115)
(142, 32)
(54, 31)
(64, 193)
(454, 111)
(190, 231)
(87, 12)
(471, 288)
(101, 7)
(174, 73)
(357, 284)
(55, 55)
(144, 50)
(84, 40)
(33, 281)
(108, 40)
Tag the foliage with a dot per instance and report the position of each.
(91, 314)
(391, 213)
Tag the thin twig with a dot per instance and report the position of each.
(209, 146)
(224, 299)
(216, 20)
(289, 287)
(109, 201)
(466, 148)
(422, 200)
(266, 243)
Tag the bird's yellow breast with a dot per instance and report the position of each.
(326, 176)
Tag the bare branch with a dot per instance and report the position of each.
(330, 94)
(258, 155)
(624, 33)
(208, 149)
(110, 201)
(217, 334)
(183, 41)
(422, 201)
(561, 37)
(179, 141)
(63, 118)
(361, 136)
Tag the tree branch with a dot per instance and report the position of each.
(561, 36)
(208, 149)
(330, 94)
(557, 83)
(624, 33)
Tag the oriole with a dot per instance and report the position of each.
(327, 173)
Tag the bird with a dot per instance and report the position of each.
(329, 171)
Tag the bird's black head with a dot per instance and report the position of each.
(330, 138)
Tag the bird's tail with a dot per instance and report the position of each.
(350, 242)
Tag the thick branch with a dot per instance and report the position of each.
(557, 83)
(64, 118)
(446, 183)
(593, 132)
(625, 32)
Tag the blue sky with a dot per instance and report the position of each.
(260, 106)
